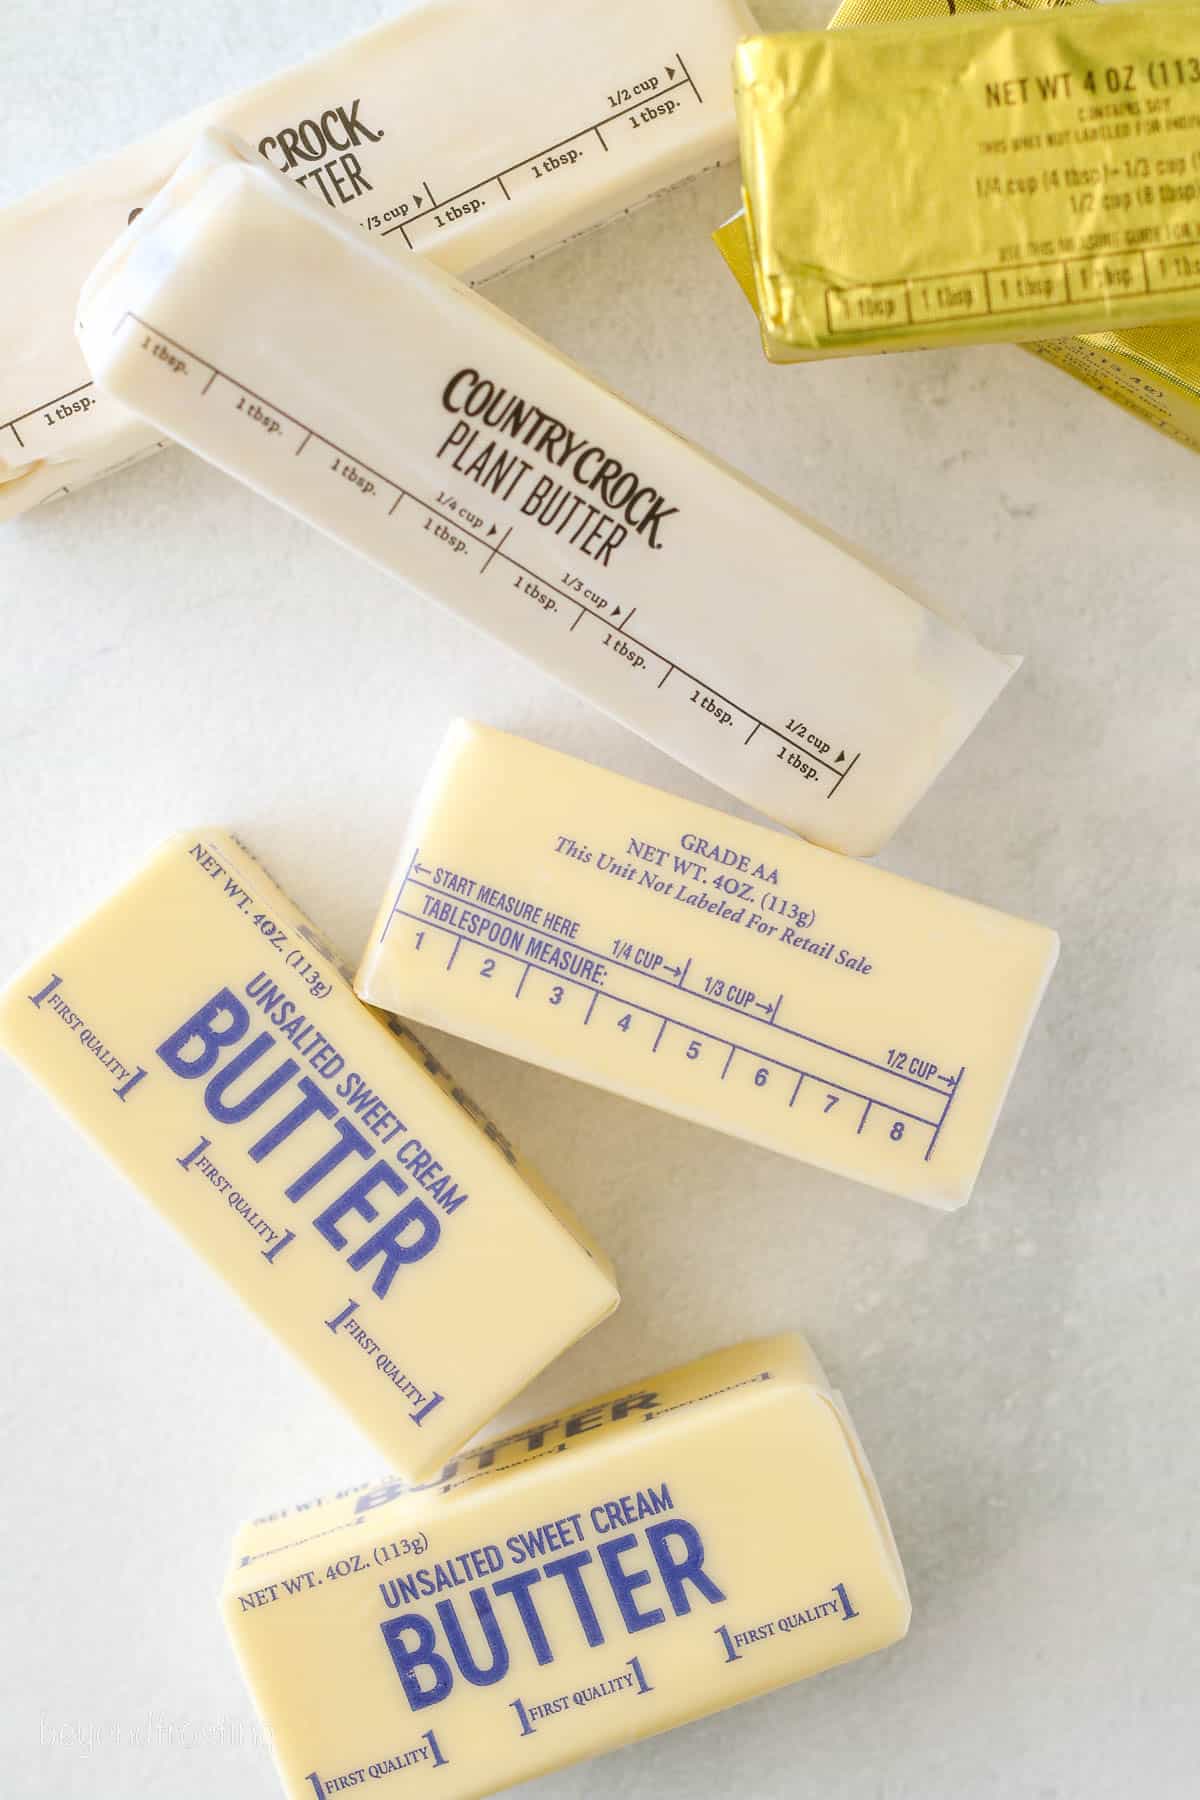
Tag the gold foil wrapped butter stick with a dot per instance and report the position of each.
(1152, 371)
(1020, 176)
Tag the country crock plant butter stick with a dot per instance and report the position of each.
(475, 134)
(639, 1561)
(1014, 176)
(713, 968)
(407, 417)
(199, 1031)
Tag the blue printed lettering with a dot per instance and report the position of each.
(667, 1558)
(242, 1087)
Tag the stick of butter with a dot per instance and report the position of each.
(412, 421)
(1060, 147)
(201, 1034)
(713, 968)
(653, 1556)
(478, 135)
(1152, 371)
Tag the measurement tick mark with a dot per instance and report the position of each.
(840, 1089)
(496, 551)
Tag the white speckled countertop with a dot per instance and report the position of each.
(1023, 1373)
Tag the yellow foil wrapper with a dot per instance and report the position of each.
(1025, 174)
(1152, 372)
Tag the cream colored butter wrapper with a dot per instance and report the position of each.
(408, 418)
(478, 135)
(716, 969)
(1064, 148)
(200, 1032)
(645, 1558)
(1152, 372)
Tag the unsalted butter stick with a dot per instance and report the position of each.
(652, 1556)
(475, 134)
(1040, 177)
(713, 968)
(411, 420)
(199, 1031)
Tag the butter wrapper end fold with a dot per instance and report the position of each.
(1060, 146)
(393, 408)
(736, 245)
(733, 241)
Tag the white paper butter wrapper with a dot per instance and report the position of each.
(408, 418)
(476, 132)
